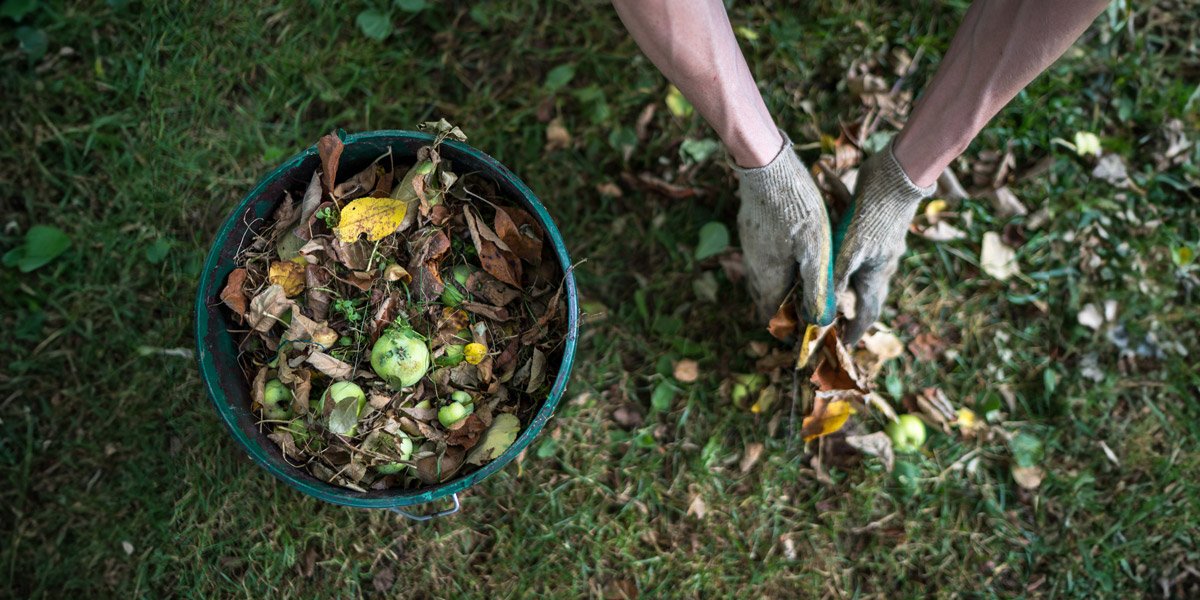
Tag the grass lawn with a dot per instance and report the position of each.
(144, 123)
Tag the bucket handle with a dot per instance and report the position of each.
(444, 513)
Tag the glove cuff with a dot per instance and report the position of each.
(887, 181)
(784, 184)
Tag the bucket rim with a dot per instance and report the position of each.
(209, 290)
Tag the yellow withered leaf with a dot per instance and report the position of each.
(376, 217)
(830, 420)
(289, 275)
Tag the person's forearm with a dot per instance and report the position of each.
(692, 43)
(999, 48)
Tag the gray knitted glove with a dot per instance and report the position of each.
(870, 237)
(784, 233)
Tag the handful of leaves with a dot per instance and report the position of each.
(400, 326)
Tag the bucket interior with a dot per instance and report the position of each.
(222, 375)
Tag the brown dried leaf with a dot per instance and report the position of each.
(466, 433)
(285, 442)
(435, 468)
(285, 214)
(497, 258)
(494, 313)
(927, 347)
(232, 294)
(520, 232)
(309, 204)
(670, 190)
(783, 325)
(484, 285)
(835, 368)
(427, 253)
(329, 365)
(315, 280)
(686, 371)
(557, 136)
(537, 371)
(384, 314)
(330, 147)
(750, 456)
(357, 186)
(936, 406)
(258, 388)
(354, 255)
(303, 329)
(877, 444)
(267, 308)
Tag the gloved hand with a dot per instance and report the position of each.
(785, 232)
(870, 237)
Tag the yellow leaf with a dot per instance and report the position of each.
(812, 335)
(679, 105)
(474, 353)
(834, 417)
(747, 33)
(934, 208)
(288, 275)
(376, 217)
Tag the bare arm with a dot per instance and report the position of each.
(998, 49)
(692, 43)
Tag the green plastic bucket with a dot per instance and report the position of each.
(217, 353)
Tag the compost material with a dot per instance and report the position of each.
(399, 325)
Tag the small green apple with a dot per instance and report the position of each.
(400, 357)
(277, 401)
(452, 413)
(907, 433)
(455, 290)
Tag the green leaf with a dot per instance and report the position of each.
(43, 244)
(663, 395)
(714, 238)
(559, 76)
(33, 42)
(157, 252)
(695, 151)
(374, 24)
(17, 9)
(344, 417)
(546, 450)
(480, 15)
(1027, 450)
(621, 138)
(412, 6)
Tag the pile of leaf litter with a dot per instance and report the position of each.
(398, 328)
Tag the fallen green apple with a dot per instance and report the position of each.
(400, 357)
(277, 401)
(461, 397)
(453, 413)
(907, 433)
(398, 446)
(456, 286)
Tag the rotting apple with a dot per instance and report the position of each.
(277, 401)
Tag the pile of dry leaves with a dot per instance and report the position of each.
(400, 327)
